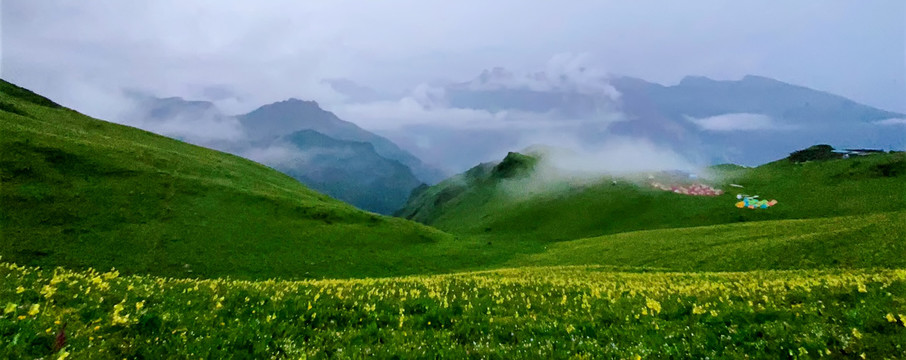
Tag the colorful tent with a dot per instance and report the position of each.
(752, 202)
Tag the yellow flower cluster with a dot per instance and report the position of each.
(524, 309)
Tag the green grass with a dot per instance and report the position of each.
(557, 211)
(558, 270)
(79, 192)
(859, 241)
(559, 312)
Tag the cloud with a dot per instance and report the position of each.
(567, 165)
(737, 122)
(410, 111)
(564, 72)
(617, 155)
(891, 121)
(268, 51)
(201, 130)
(454, 138)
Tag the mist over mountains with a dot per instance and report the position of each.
(748, 121)
(300, 139)
(606, 120)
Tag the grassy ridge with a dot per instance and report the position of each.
(79, 192)
(863, 241)
(556, 211)
(564, 312)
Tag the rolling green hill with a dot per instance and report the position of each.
(558, 269)
(79, 192)
(859, 241)
(481, 202)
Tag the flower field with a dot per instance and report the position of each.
(534, 312)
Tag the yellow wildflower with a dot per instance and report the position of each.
(117, 318)
(48, 291)
(34, 310)
(10, 307)
(63, 355)
(653, 305)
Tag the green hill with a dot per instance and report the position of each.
(478, 203)
(566, 268)
(79, 192)
(860, 241)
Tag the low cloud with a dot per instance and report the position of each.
(891, 121)
(412, 110)
(565, 72)
(284, 155)
(199, 130)
(458, 138)
(737, 122)
(619, 156)
(563, 167)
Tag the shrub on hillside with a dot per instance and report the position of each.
(814, 153)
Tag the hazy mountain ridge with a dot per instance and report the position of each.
(372, 172)
(751, 120)
(349, 170)
(291, 115)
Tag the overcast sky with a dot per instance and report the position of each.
(263, 51)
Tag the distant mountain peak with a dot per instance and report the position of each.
(751, 77)
(696, 80)
(176, 100)
(308, 110)
(298, 102)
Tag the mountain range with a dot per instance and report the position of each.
(137, 241)
(301, 139)
(748, 121)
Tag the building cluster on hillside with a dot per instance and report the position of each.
(694, 189)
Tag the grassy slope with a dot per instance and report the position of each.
(859, 241)
(80, 192)
(811, 190)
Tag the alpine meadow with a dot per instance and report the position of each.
(201, 180)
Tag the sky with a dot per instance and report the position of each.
(244, 54)
(270, 50)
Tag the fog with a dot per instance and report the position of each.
(389, 66)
